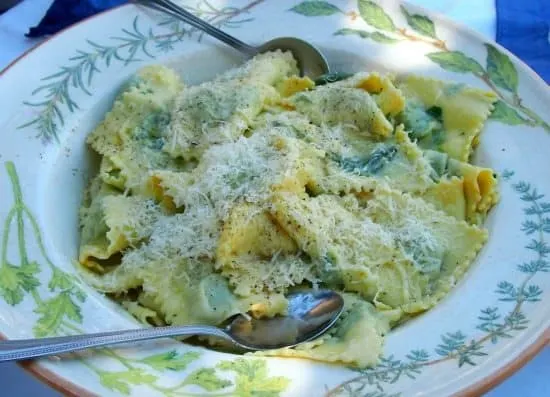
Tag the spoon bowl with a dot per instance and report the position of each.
(310, 314)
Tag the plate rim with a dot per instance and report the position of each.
(499, 375)
(35, 368)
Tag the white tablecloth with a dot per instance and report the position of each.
(531, 381)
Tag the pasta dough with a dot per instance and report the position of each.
(445, 116)
(223, 197)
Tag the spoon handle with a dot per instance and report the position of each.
(178, 12)
(13, 350)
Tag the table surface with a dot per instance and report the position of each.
(533, 380)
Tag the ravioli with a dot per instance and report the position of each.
(224, 197)
(397, 161)
(474, 187)
(255, 255)
(131, 136)
(431, 240)
(445, 116)
(270, 68)
(111, 222)
(214, 113)
(348, 107)
(389, 98)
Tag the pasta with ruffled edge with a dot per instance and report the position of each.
(444, 116)
(463, 190)
(130, 138)
(111, 222)
(389, 98)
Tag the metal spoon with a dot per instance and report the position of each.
(310, 60)
(310, 314)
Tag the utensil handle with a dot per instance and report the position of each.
(12, 350)
(178, 12)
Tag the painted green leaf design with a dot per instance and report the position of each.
(59, 281)
(382, 38)
(62, 281)
(420, 23)
(122, 380)
(501, 70)
(10, 284)
(348, 31)
(171, 360)
(376, 36)
(207, 379)
(253, 378)
(315, 8)
(375, 16)
(53, 312)
(456, 61)
(15, 281)
(505, 114)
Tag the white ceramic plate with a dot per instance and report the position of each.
(490, 324)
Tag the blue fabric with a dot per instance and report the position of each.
(63, 13)
(523, 27)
